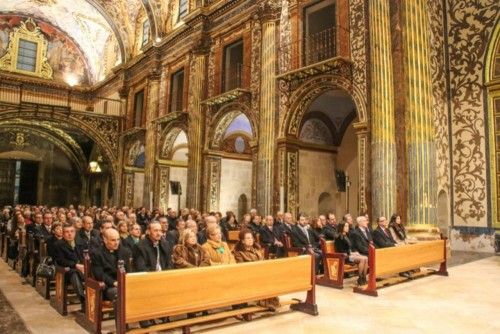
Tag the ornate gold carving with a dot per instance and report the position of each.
(214, 184)
(21, 141)
(91, 304)
(129, 189)
(333, 268)
(27, 31)
(164, 177)
(292, 178)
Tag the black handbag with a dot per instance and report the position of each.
(46, 269)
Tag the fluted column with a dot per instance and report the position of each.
(150, 147)
(267, 116)
(382, 109)
(196, 88)
(420, 132)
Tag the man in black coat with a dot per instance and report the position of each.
(153, 253)
(45, 230)
(303, 237)
(36, 228)
(68, 253)
(330, 227)
(87, 232)
(287, 224)
(382, 238)
(105, 262)
(361, 236)
(271, 235)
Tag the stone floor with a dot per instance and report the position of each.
(468, 301)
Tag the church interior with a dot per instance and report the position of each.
(219, 166)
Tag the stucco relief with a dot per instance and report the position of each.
(357, 17)
(439, 107)
(469, 27)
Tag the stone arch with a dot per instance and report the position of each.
(103, 133)
(492, 81)
(306, 93)
(168, 136)
(223, 119)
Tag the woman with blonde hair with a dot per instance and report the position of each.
(122, 228)
(188, 253)
(217, 250)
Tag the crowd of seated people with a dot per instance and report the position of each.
(155, 240)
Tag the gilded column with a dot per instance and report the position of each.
(267, 116)
(382, 108)
(150, 149)
(196, 89)
(420, 132)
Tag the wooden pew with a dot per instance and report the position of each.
(289, 249)
(95, 305)
(334, 266)
(145, 296)
(22, 251)
(394, 260)
(34, 259)
(43, 285)
(232, 238)
(60, 300)
(2, 239)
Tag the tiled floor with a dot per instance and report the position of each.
(468, 301)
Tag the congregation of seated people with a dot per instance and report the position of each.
(148, 241)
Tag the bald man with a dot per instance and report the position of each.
(105, 261)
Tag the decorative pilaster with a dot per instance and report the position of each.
(267, 116)
(363, 168)
(150, 147)
(383, 133)
(196, 89)
(420, 132)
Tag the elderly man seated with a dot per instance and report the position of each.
(105, 262)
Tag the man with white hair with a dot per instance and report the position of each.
(361, 236)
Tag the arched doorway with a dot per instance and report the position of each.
(173, 169)
(328, 146)
(230, 163)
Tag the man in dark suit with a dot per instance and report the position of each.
(303, 237)
(133, 238)
(382, 238)
(361, 236)
(69, 254)
(105, 262)
(45, 230)
(153, 253)
(96, 242)
(87, 232)
(255, 224)
(287, 223)
(271, 235)
(330, 227)
(36, 228)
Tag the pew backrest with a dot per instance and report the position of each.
(393, 260)
(191, 290)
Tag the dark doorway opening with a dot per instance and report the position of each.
(18, 182)
(28, 182)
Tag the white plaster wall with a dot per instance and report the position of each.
(236, 179)
(138, 189)
(177, 174)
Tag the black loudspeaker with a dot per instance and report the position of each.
(175, 188)
(341, 180)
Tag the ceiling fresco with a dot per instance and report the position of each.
(99, 27)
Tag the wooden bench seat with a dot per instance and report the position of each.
(43, 285)
(334, 266)
(394, 260)
(145, 296)
(97, 309)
